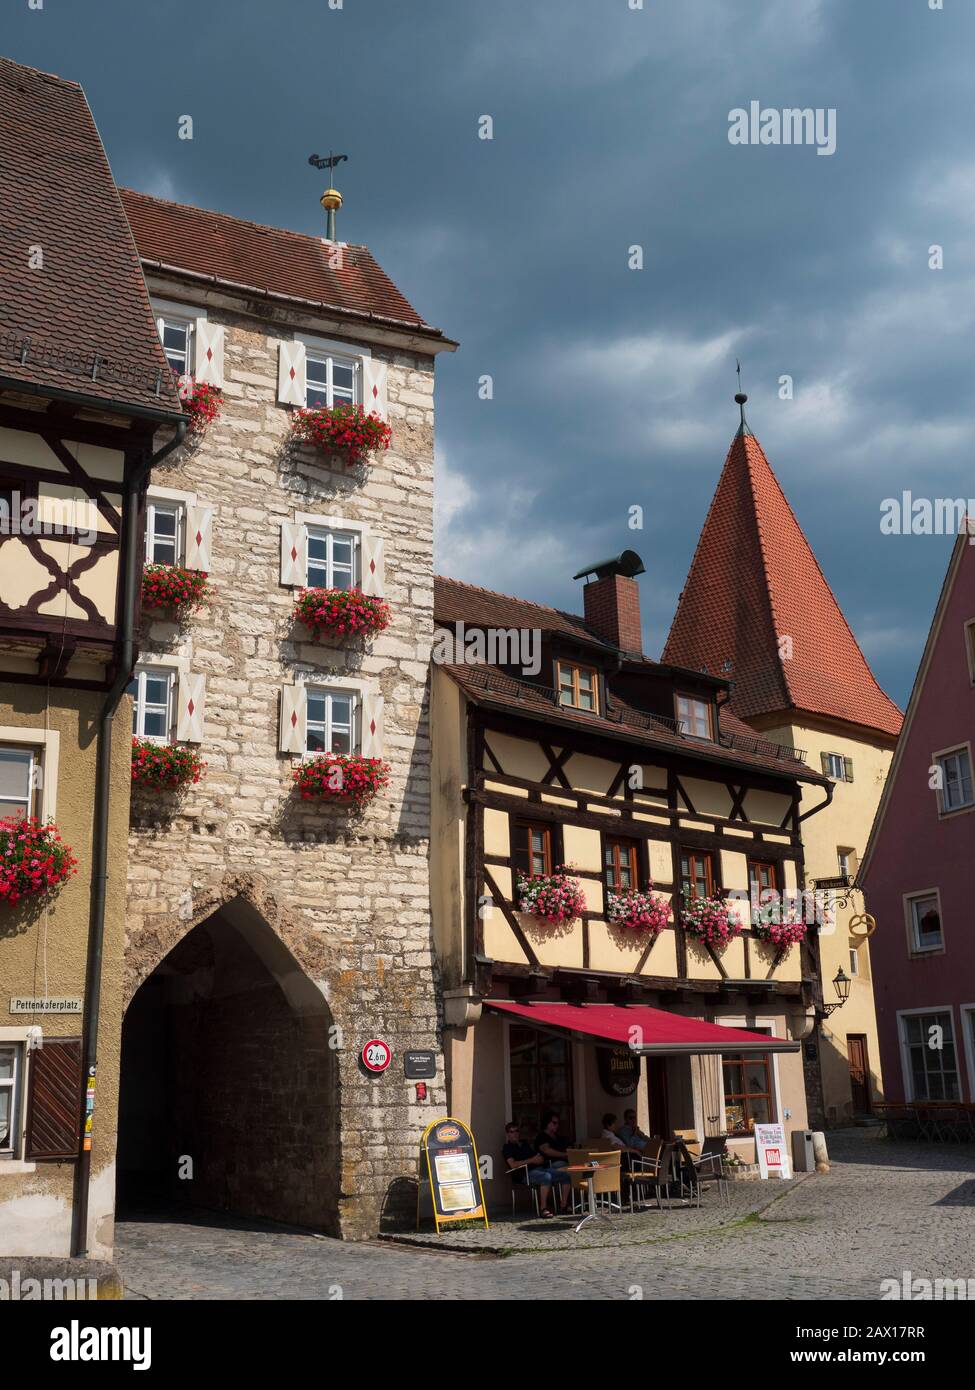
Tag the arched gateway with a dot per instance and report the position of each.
(229, 1095)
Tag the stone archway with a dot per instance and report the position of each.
(229, 1094)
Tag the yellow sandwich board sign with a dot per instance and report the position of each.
(448, 1161)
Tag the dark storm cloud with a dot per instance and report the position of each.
(612, 387)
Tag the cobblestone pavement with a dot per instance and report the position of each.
(883, 1209)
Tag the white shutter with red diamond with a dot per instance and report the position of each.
(199, 532)
(373, 570)
(371, 737)
(294, 704)
(291, 373)
(374, 387)
(208, 353)
(294, 553)
(190, 707)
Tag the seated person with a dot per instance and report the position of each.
(631, 1133)
(552, 1145)
(526, 1164)
(612, 1138)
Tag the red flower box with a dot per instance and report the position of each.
(343, 779)
(34, 860)
(341, 612)
(201, 403)
(172, 586)
(165, 765)
(345, 430)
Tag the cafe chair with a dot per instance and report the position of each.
(653, 1173)
(525, 1186)
(607, 1183)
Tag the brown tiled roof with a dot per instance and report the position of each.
(455, 602)
(486, 685)
(753, 581)
(57, 193)
(267, 259)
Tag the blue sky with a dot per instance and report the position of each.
(612, 387)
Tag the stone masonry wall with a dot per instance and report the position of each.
(348, 895)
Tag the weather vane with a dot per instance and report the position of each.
(331, 199)
(740, 397)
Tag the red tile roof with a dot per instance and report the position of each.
(754, 581)
(57, 193)
(267, 259)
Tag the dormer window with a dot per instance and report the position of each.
(694, 716)
(578, 687)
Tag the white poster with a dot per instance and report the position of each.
(773, 1158)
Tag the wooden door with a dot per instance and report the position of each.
(856, 1046)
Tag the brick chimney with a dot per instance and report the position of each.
(612, 607)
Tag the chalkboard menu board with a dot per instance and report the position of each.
(448, 1157)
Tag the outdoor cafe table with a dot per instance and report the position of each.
(590, 1170)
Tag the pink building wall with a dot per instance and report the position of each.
(914, 848)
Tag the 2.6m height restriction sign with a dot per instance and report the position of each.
(376, 1055)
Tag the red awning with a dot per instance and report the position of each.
(658, 1033)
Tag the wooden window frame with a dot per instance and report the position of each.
(566, 1109)
(164, 504)
(620, 844)
(911, 901)
(171, 675)
(969, 647)
(694, 700)
(322, 357)
(692, 855)
(926, 1018)
(962, 751)
(745, 1060)
(164, 320)
(328, 725)
(773, 869)
(576, 667)
(524, 823)
(15, 1085)
(330, 535)
(35, 778)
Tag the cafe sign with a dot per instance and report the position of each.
(619, 1070)
(773, 1160)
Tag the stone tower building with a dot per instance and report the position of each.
(270, 938)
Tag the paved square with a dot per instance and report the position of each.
(883, 1209)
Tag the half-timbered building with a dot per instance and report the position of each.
(84, 387)
(635, 775)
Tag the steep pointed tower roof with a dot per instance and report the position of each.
(755, 596)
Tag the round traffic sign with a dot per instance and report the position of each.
(376, 1055)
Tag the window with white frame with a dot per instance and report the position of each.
(837, 767)
(970, 648)
(925, 922)
(330, 379)
(330, 722)
(152, 690)
(18, 778)
(164, 532)
(11, 1085)
(854, 961)
(956, 779)
(332, 557)
(846, 862)
(929, 1043)
(176, 336)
